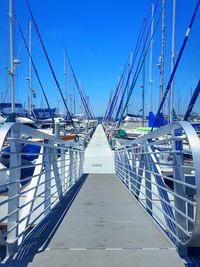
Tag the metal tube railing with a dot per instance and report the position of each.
(46, 176)
(161, 169)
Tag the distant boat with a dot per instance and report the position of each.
(21, 114)
(5, 110)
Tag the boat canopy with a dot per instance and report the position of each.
(6, 109)
(43, 113)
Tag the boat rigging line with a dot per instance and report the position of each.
(35, 70)
(88, 112)
(50, 65)
(176, 63)
(139, 41)
(115, 97)
(192, 101)
(141, 60)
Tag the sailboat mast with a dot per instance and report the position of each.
(130, 82)
(171, 97)
(81, 108)
(74, 100)
(69, 87)
(30, 70)
(151, 57)
(143, 76)
(12, 86)
(65, 74)
(162, 74)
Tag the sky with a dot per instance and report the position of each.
(98, 36)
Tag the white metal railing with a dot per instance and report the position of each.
(36, 171)
(162, 170)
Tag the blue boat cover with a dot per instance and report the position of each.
(159, 122)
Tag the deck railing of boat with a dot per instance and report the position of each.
(36, 171)
(161, 169)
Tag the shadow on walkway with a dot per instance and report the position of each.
(38, 240)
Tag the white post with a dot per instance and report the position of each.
(57, 129)
(63, 167)
(47, 194)
(71, 168)
(13, 192)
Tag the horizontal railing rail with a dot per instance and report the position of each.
(36, 171)
(162, 170)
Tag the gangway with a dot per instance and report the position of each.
(106, 219)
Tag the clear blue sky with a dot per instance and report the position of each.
(98, 36)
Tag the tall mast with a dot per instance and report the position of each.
(68, 87)
(65, 74)
(143, 76)
(171, 97)
(130, 82)
(11, 57)
(74, 100)
(81, 108)
(30, 70)
(162, 74)
(151, 53)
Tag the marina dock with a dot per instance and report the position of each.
(105, 225)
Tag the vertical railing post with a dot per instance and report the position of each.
(62, 175)
(56, 170)
(77, 165)
(134, 162)
(140, 169)
(178, 174)
(14, 189)
(71, 166)
(47, 187)
(148, 185)
(129, 168)
(81, 159)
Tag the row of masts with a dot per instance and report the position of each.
(168, 108)
(67, 82)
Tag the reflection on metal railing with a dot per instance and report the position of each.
(162, 170)
(36, 171)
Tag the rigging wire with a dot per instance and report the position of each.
(116, 95)
(49, 63)
(80, 90)
(176, 63)
(115, 98)
(88, 103)
(108, 106)
(141, 61)
(35, 70)
(192, 101)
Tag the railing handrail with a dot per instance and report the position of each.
(7, 127)
(141, 145)
(48, 172)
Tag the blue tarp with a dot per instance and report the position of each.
(160, 121)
